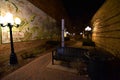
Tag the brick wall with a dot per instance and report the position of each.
(106, 27)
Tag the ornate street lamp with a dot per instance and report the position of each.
(8, 21)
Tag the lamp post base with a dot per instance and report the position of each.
(13, 59)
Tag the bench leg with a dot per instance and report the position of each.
(52, 58)
(52, 61)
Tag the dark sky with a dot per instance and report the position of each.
(81, 11)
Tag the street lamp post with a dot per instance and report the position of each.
(8, 21)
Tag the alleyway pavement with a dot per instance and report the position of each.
(39, 70)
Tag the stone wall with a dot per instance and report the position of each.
(35, 23)
(106, 27)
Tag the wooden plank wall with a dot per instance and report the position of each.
(106, 27)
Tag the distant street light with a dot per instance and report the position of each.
(88, 28)
(8, 21)
(88, 31)
(81, 33)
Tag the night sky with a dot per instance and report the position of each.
(81, 11)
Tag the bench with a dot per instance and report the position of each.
(89, 44)
(68, 54)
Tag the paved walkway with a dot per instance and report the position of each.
(38, 70)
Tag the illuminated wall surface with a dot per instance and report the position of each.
(35, 24)
(106, 27)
